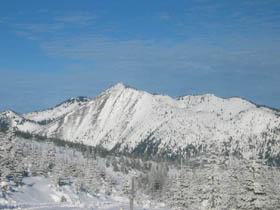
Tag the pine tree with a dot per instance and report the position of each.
(50, 157)
(92, 176)
(35, 166)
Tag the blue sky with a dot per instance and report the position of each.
(54, 50)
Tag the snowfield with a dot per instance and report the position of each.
(40, 175)
(40, 193)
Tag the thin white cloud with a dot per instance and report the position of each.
(82, 20)
(201, 1)
(259, 2)
(163, 16)
(204, 53)
(3, 20)
(43, 11)
(209, 8)
(195, 56)
(258, 18)
(54, 24)
(28, 35)
(40, 27)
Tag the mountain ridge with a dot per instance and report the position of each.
(128, 120)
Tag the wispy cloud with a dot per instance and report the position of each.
(54, 24)
(82, 20)
(220, 48)
(154, 55)
(129, 55)
(25, 34)
(259, 2)
(43, 11)
(39, 27)
(209, 8)
(163, 16)
(3, 20)
(187, 45)
(258, 18)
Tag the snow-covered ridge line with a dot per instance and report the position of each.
(57, 111)
(139, 122)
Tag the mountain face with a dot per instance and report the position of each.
(124, 119)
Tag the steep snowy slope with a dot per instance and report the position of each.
(126, 119)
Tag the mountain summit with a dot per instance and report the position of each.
(124, 119)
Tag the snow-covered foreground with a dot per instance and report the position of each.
(40, 193)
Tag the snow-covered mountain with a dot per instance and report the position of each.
(128, 120)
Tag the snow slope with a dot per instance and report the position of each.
(126, 119)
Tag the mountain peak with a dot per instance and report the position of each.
(119, 85)
(9, 112)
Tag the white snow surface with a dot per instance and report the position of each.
(40, 193)
(125, 116)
